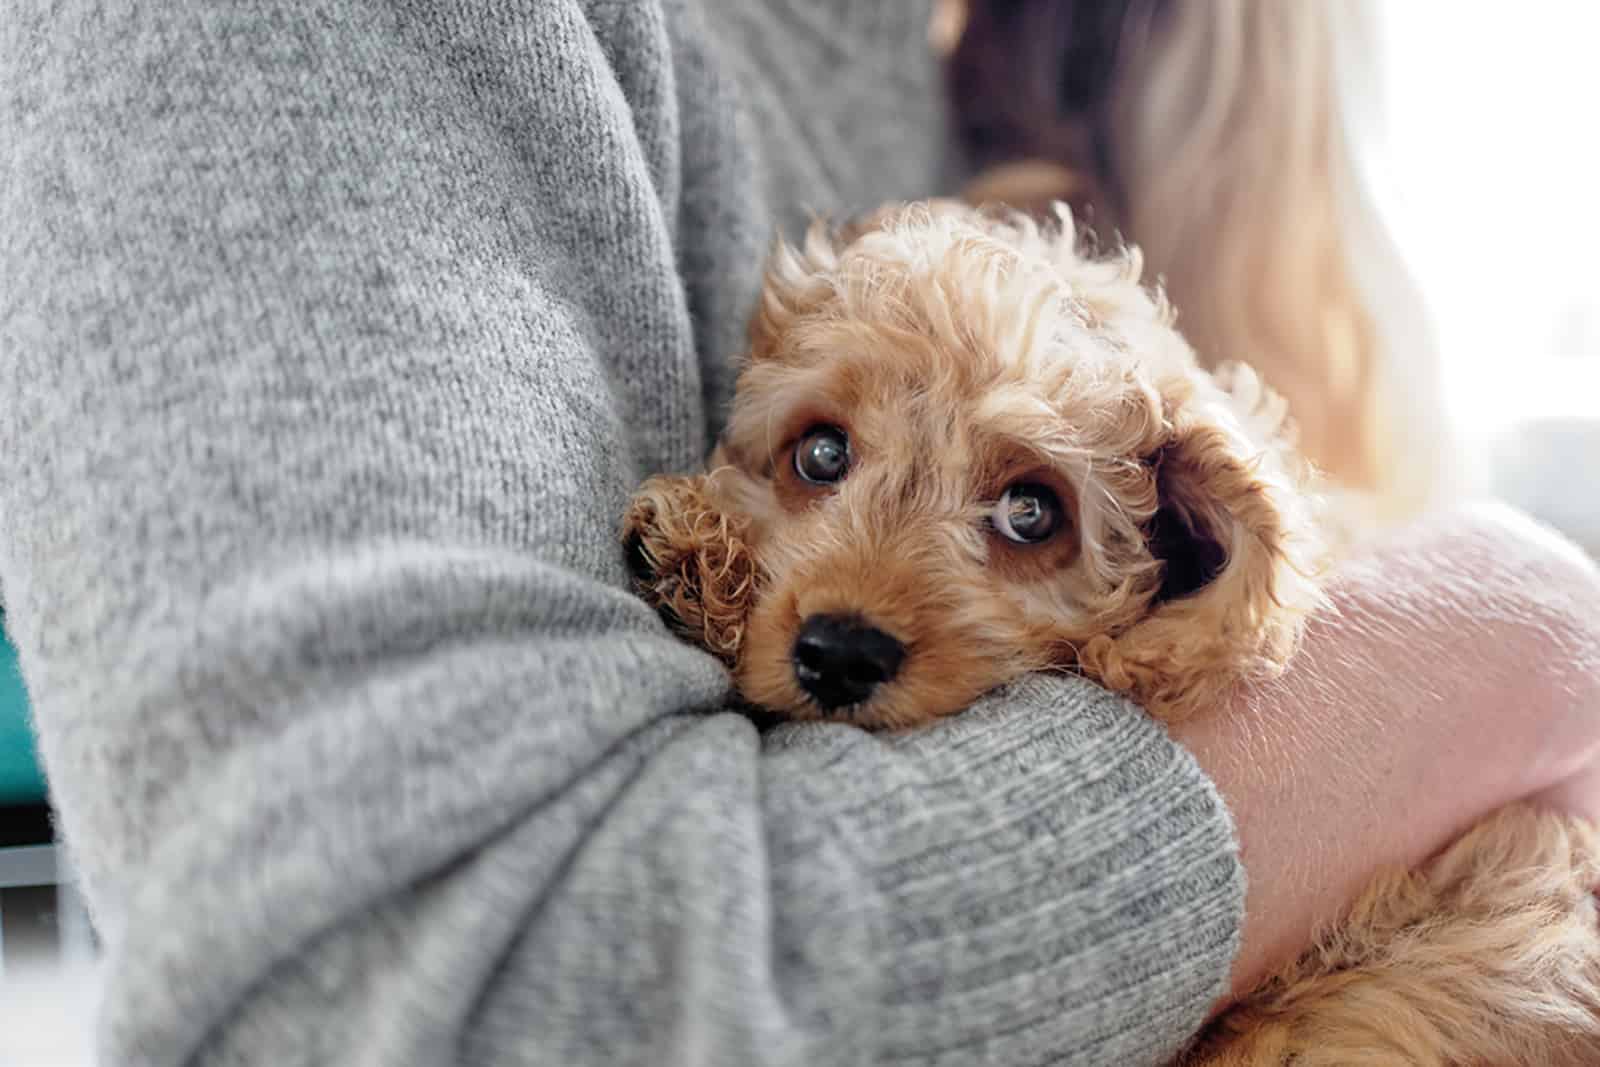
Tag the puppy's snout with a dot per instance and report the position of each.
(841, 659)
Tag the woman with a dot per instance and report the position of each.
(334, 340)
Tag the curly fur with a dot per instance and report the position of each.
(963, 349)
(691, 560)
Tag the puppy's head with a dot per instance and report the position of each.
(969, 451)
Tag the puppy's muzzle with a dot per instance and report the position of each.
(840, 659)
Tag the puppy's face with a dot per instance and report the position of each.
(950, 438)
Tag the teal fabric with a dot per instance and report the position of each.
(21, 780)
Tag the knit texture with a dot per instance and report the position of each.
(333, 338)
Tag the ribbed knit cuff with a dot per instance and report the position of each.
(1056, 877)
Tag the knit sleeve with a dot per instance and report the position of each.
(333, 338)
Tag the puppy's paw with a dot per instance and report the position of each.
(1171, 681)
(691, 562)
(656, 540)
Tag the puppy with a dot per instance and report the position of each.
(962, 449)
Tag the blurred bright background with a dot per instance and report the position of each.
(1495, 168)
(1491, 134)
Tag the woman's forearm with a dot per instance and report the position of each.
(1461, 673)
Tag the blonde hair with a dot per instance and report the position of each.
(1235, 129)
(1233, 142)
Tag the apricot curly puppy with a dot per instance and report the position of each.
(963, 449)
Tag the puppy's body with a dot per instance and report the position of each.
(962, 450)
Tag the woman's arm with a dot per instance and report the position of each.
(1461, 673)
(334, 338)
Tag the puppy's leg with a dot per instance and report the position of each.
(1489, 957)
(692, 562)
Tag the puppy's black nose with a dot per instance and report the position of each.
(841, 659)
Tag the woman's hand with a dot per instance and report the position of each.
(1461, 673)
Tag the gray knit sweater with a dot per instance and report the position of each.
(333, 337)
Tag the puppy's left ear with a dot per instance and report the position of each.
(795, 280)
(1237, 539)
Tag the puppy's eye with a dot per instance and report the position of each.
(1027, 513)
(823, 455)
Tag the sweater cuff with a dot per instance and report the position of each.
(1055, 877)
